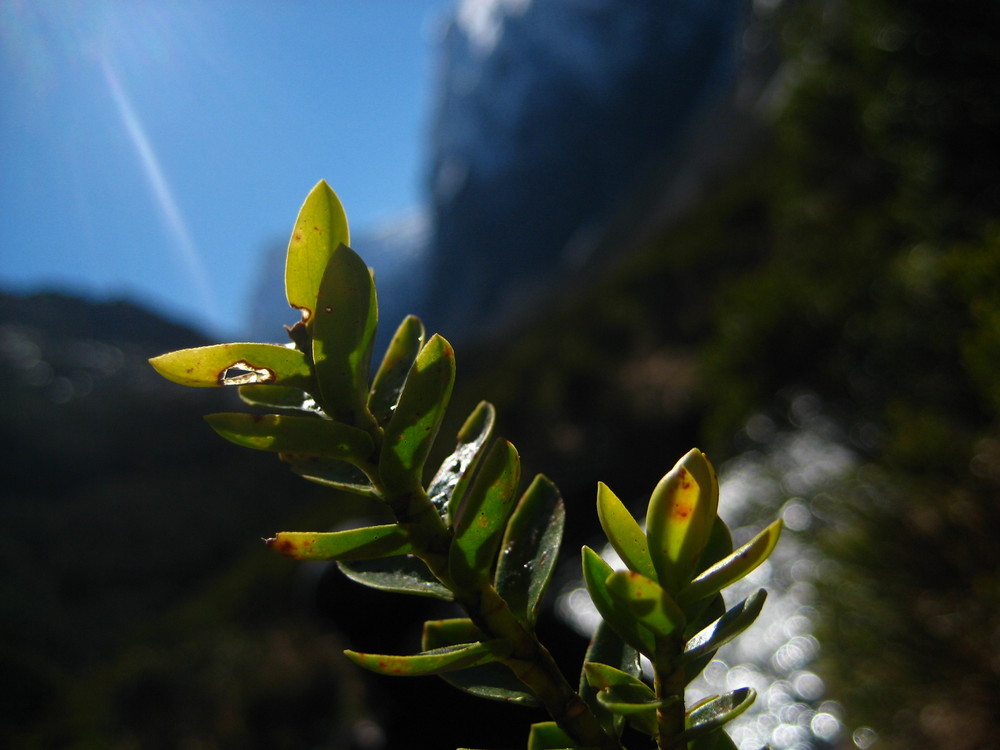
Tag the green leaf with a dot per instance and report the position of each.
(368, 543)
(604, 676)
(734, 567)
(608, 649)
(447, 488)
(715, 712)
(286, 434)
(343, 335)
(596, 573)
(637, 704)
(417, 417)
(708, 611)
(491, 681)
(437, 661)
(720, 544)
(399, 358)
(482, 516)
(682, 509)
(529, 549)
(330, 472)
(278, 397)
(235, 364)
(647, 602)
(320, 228)
(547, 735)
(723, 630)
(400, 575)
(624, 532)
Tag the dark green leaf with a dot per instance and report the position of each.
(624, 532)
(607, 648)
(720, 545)
(707, 612)
(596, 572)
(734, 567)
(447, 488)
(646, 601)
(401, 575)
(530, 548)
(320, 228)
(636, 703)
(547, 735)
(438, 661)
(723, 630)
(715, 712)
(287, 434)
(236, 364)
(368, 543)
(399, 358)
(417, 417)
(491, 681)
(482, 517)
(330, 472)
(278, 397)
(343, 336)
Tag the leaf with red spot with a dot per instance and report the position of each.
(436, 661)
(368, 543)
(320, 228)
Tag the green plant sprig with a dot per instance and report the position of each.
(467, 535)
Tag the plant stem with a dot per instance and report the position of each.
(669, 683)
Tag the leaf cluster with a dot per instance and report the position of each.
(469, 534)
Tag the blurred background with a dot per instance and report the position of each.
(770, 229)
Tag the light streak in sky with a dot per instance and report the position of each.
(182, 241)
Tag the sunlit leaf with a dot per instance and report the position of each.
(682, 509)
(400, 575)
(368, 543)
(235, 364)
(437, 661)
(343, 334)
(715, 712)
(723, 630)
(596, 572)
(624, 532)
(734, 567)
(288, 434)
(320, 228)
(396, 363)
(448, 486)
(482, 517)
(491, 681)
(410, 432)
(529, 549)
(646, 601)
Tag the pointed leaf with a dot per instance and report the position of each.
(396, 364)
(607, 649)
(343, 334)
(447, 488)
(286, 434)
(596, 573)
(734, 567)
(278, 397)
(368, 543)
(715, 712)
(647, 602)
(530, 548)
(438, 661)
(723, 630)
(400, 575)
(417, 417)
(320, 228)
(483, 515)
(547, 735)
(491, 681)
(709, 610)
(235, 364)
(624, 532)
(682, 509)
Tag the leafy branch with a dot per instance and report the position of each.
(467, 535)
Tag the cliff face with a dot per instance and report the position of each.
(549, 117)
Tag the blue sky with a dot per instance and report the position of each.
(152, 149)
